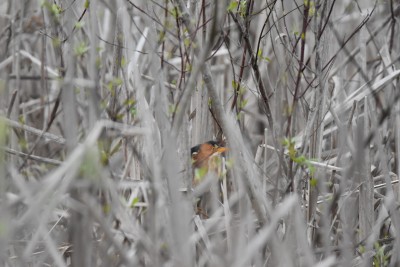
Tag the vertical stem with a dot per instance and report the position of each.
(306, 10)
(366, 199)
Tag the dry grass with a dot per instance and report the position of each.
(102, 100)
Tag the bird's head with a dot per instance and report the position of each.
(202, 153)
(206, 157)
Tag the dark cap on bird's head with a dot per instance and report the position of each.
(196, 149)
(201, 153)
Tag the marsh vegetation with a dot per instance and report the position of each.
(101, 101)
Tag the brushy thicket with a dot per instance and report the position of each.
(100, 102)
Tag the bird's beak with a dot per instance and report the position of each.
(222, 149)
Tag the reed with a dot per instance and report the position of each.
(101, 101)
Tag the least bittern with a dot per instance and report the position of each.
(206, 160)
(206, 157)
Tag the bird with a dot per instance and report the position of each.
(206, 160)
(206, 157)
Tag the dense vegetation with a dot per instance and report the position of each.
(101, 101)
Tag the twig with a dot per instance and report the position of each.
(37, 158)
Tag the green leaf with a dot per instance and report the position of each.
(79, 25)
(242, 8)
(172, 109)
(134, 202)
(311, 11)
(243, 103)
(56, 42)
(313, 182)
(106, 208)
(119, 116)
(115, 82)
(234, 84)
(103, 157)
(129, 102)
(285, 142)
(123, 62)
(21, 119)
(300, 160)
(312, 169)
(242, 90)
(81, 49)
(56, 10)
(161, 36)
(232, 6)
(186, 42)
(259, 53)
(133, 111)
(176, 13)
(267, 59)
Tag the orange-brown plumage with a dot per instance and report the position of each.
(206, 157)
(202, 153)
